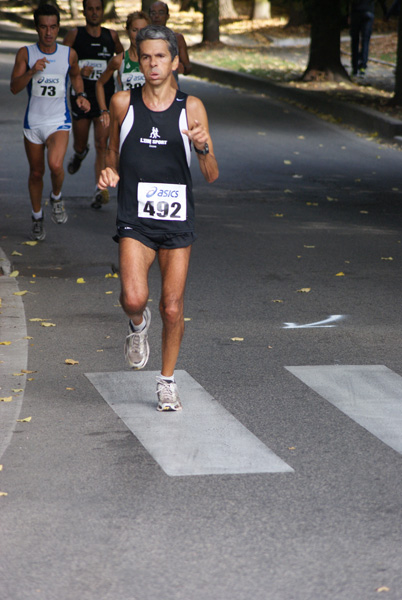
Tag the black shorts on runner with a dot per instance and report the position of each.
(156, 241)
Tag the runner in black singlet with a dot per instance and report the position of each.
(152, 131)
(95, 45)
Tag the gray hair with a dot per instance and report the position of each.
(158, 32)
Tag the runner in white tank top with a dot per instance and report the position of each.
(43, 69)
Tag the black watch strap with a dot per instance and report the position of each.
(204, 151)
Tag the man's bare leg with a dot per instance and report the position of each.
(36, 159)
(56, 149)
(174, 268)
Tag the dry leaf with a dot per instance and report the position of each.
(340, 274)
(108, 292)
(20, 293)
(25, 371)
(383, 588)
(48, 325)
(70, 389)
(14, 274)
(287, 162)
(187, 318)
(109, 275)
(16, 390)
(26, 420)
(37, 319)
(5, 343)
(71, 361)
(15, 253)
(308, 246)
(3, 494)
(80, 280)
(386, 258)
(29, 243)
(278, 215)
(305, 290)
(312, 203)
(237, 339)
(277, 300)
(7, 399)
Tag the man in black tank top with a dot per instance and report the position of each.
(95, 46)
(152, 130)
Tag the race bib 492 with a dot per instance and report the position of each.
(162, 201)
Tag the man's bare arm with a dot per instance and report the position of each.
(184, 65)
(21, 75)
(198, 133)
(119, 104)
(77, 82)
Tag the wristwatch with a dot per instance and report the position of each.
(205, 151)
(83, 94)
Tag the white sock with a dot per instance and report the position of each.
(140, 327)
(171, 378)
(37, 215)
(54, 197)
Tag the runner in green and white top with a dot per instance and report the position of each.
(126, 63)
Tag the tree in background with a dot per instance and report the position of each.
(397, 99)
(261, 9)
(210, 27)
(324, 62)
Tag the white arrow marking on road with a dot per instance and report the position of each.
(371, 395)
(324, 323)
(202, 439)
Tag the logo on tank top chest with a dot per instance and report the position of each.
(153, 140)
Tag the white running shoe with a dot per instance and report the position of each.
(136, 347)
(168, 396)
(59, 214)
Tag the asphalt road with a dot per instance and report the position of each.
(89, 514)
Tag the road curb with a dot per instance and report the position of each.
(354, 115)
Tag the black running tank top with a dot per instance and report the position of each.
(155, 189)
(95, 51)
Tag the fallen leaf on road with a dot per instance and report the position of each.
(301, 137)
(187, 318)
(364, 212)
(108, 292)
(308, 246)
(48, 325)
(386, 258)
(277, 300)
(287, 162)
(109, 275)
(14, 274)
(70, 389)
(6, 399)
(312, 203)
(278, 215)
(383, 588)
(25, 371)
(29, 243)
(28, 337)
(3, 494)
(80, 280)
(340, 274)
(20, 293)
(237, 339)
(5, 343)
(71, 361)
(26, 420)
(37, 319)
(305, 290)
(15, 253)
(16, 390)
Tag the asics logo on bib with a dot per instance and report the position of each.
(162, 193)
(48, 80)
(152, 192)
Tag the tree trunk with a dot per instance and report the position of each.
(110, 10)
(73, 9)
(397, 99)
(227, 9)
(145, 5)
(261, 9)
(210, 28)
(325, 43)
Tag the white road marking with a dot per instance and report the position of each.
(371, 395)
(13, 358)
(202, 439)
(323, 323)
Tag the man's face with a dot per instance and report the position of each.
(93, 12)
(156, 62)
(48, 30)
(158, 13)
